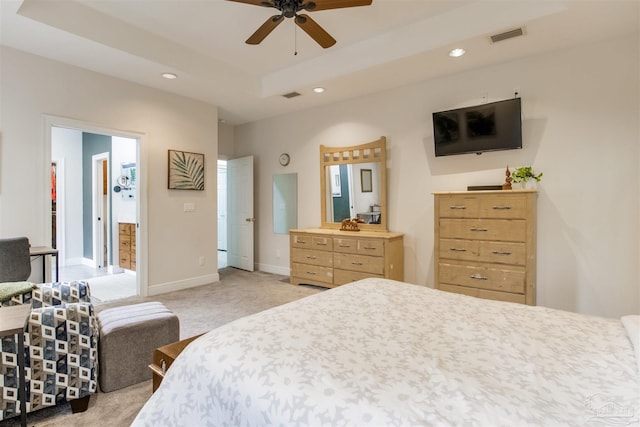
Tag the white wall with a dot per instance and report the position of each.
(33, 87)
(581, 128)
(66, 148)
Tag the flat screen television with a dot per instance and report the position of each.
(487, 127)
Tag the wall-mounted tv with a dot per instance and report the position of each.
(487, 127)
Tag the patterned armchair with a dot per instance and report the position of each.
(61, 342)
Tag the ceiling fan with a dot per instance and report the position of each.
(290, 9)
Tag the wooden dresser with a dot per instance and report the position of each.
(127, 247)
(330, 257)
(485, 244)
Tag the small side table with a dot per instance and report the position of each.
(43, 251)
(13, 320)
(164, 356)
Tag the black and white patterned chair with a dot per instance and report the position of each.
(61, 350)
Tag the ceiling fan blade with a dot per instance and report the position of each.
(314, 30)
(264, 3)
(313, 5)
(264, 30)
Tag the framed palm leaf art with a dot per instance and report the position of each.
(186, 170)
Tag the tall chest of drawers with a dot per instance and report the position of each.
(330, 258)
(485, 244)
(127, 247)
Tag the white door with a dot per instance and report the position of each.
(240, 220)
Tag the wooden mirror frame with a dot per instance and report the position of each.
(371, 152)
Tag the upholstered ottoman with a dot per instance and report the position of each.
(128, 337)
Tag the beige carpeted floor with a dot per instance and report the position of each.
(238, 294)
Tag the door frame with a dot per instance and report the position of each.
(142, 144)
(98, 210)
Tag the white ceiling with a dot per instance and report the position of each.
(388, 44)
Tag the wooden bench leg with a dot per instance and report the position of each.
(80, 405)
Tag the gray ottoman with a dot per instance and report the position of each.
(128, 337)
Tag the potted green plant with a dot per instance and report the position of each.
(526, 177)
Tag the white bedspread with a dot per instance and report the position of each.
(381, 353)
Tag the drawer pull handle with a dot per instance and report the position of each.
(311, 257)
(311, 272)
(501, 253)
(369, 248)
(458, 207)
(356, 263)
(345, 246)
(301, 241)
(458, 249)
(478, 229)
(478, 276)
(321, 244)
(502, 208)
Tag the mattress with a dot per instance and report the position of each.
(379, 352)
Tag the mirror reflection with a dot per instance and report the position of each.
(354, 192)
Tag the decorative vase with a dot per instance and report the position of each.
(531, 184)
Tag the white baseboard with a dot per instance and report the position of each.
(163, 288)
(275, 269)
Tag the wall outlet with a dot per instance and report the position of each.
(189, 207)
(201, 261)
(484, 98)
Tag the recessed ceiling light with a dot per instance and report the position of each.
(457, 52)
(318, 89)
(169, 76)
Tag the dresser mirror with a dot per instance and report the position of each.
(353, 183)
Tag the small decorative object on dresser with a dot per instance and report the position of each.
(485, 244)
(526, 178)
(507, 181)
(351, 224)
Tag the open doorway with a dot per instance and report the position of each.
(90, 207)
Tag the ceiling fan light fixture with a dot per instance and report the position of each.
(318, 89)
(169, 76)
(457, 52)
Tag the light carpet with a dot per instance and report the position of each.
(238, 294)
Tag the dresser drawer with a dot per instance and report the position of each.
(507, 206)
(342, 277)
(313, 273)
(359, 246)
(502, 253)
(459, 207)
(125, 243)
(125, 260)
(482, 293)
(484, 229)
(362, 263)
(482, 251)
(482, 277)
(458, 249)
(311, 242)
(349, 246)
(124, 228)
(309, 256)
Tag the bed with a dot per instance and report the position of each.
(379, 352)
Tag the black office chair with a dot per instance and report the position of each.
(15, 261)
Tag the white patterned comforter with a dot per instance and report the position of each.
(381, 353)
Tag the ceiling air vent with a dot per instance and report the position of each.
(291, 95)
(507, 35)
